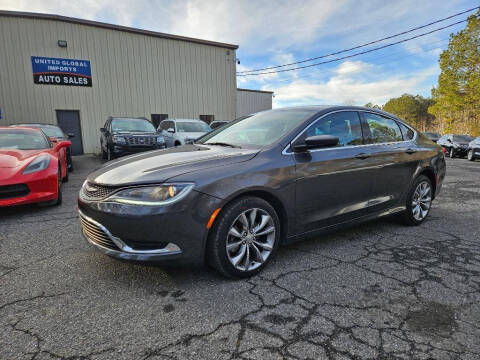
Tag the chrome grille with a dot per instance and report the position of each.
(96, 234)
(95, 192)
(140, 140)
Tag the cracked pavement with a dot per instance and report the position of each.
(380, 290)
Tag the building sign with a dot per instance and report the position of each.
(54, 71)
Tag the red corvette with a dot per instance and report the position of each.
(32, 167)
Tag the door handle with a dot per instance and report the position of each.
(410, 151)
(362, 156)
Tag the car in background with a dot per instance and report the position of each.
(217, 123)
(56, 134)
(125, 135)
(473, 150)
(455, 145)
(273, 178)
(32, 167)
(432, 136)
(179, 132)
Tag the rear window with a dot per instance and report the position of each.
(184, 126)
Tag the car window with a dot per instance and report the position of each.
(345, 125)
(164, 125)
(190, 126)
(258, 130)
(132, 124)
(382, 129)
(407, 133)
(462, 138)
(23, 139)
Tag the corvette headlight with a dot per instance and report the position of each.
(40, 163)
(152, 195)
(118, 139)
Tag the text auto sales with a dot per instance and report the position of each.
(51, 71)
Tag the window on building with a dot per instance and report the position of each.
(157, 118)
(207, 118)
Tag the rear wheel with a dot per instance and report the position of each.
(244, 238)
(419, 201)
(109, 154)
(470, 155)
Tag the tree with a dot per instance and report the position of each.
(457, 95)
(413, 109)
(374, 106)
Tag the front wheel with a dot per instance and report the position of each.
(451, 153)
(244, 238)
(470, 155)
(419, 201)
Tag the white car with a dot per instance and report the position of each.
(179, 132)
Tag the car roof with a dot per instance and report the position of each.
(21, 128)
(34, 124)
(187, 120)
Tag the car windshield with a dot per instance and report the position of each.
(258, 130)
(131, 124)
(186, 126)
(22, 139)
(50, 131)
(462, 138)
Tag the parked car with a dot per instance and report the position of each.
(124, 135)
(455, 145)
(32, 167)
(233, 199)
(217, 123)
(182, 131)
(432, 136)
(473, 151)
(56, 134)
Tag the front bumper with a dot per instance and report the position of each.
(140, 233)
(120, 150)
(460, 151)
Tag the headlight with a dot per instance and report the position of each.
(152, 195)
(160, 140)
(40, 163)
(118, 139)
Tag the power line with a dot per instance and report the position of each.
(359, 53)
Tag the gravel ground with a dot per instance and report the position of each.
(377, 291)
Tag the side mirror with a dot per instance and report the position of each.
(316, 142)
(62, 144)
(103, 130)
(52, 139)
(171, 130)
(449, 140)
(71, 135)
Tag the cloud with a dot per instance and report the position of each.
(348, 88)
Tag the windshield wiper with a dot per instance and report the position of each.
(223, 144)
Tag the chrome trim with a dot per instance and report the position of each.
(285, 152)
(169, 249)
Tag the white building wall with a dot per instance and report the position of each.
(132, 75)
(252, 101)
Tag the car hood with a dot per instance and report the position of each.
(190, 135)
(12, 161)
(135, 133)
(160, 165)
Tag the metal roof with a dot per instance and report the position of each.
(258, 91)
(103, 25)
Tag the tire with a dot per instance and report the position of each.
(71, 166)
(177, 144)
(408, 216)
(262, 246)
(65, 179)
(104, 154)
(451, 153)
(109, 154)
(470, 155)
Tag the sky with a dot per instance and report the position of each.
(276, 32)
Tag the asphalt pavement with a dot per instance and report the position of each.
(380, 290)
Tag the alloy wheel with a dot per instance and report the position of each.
(470, 155)
(250, 240)
(421, 201)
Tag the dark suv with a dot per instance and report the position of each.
(122, 136)
(455, 145)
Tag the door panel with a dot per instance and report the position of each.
(69, 122)
(333, 186)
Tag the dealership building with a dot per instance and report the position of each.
(76, 73)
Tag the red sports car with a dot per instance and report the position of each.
(32, 168)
